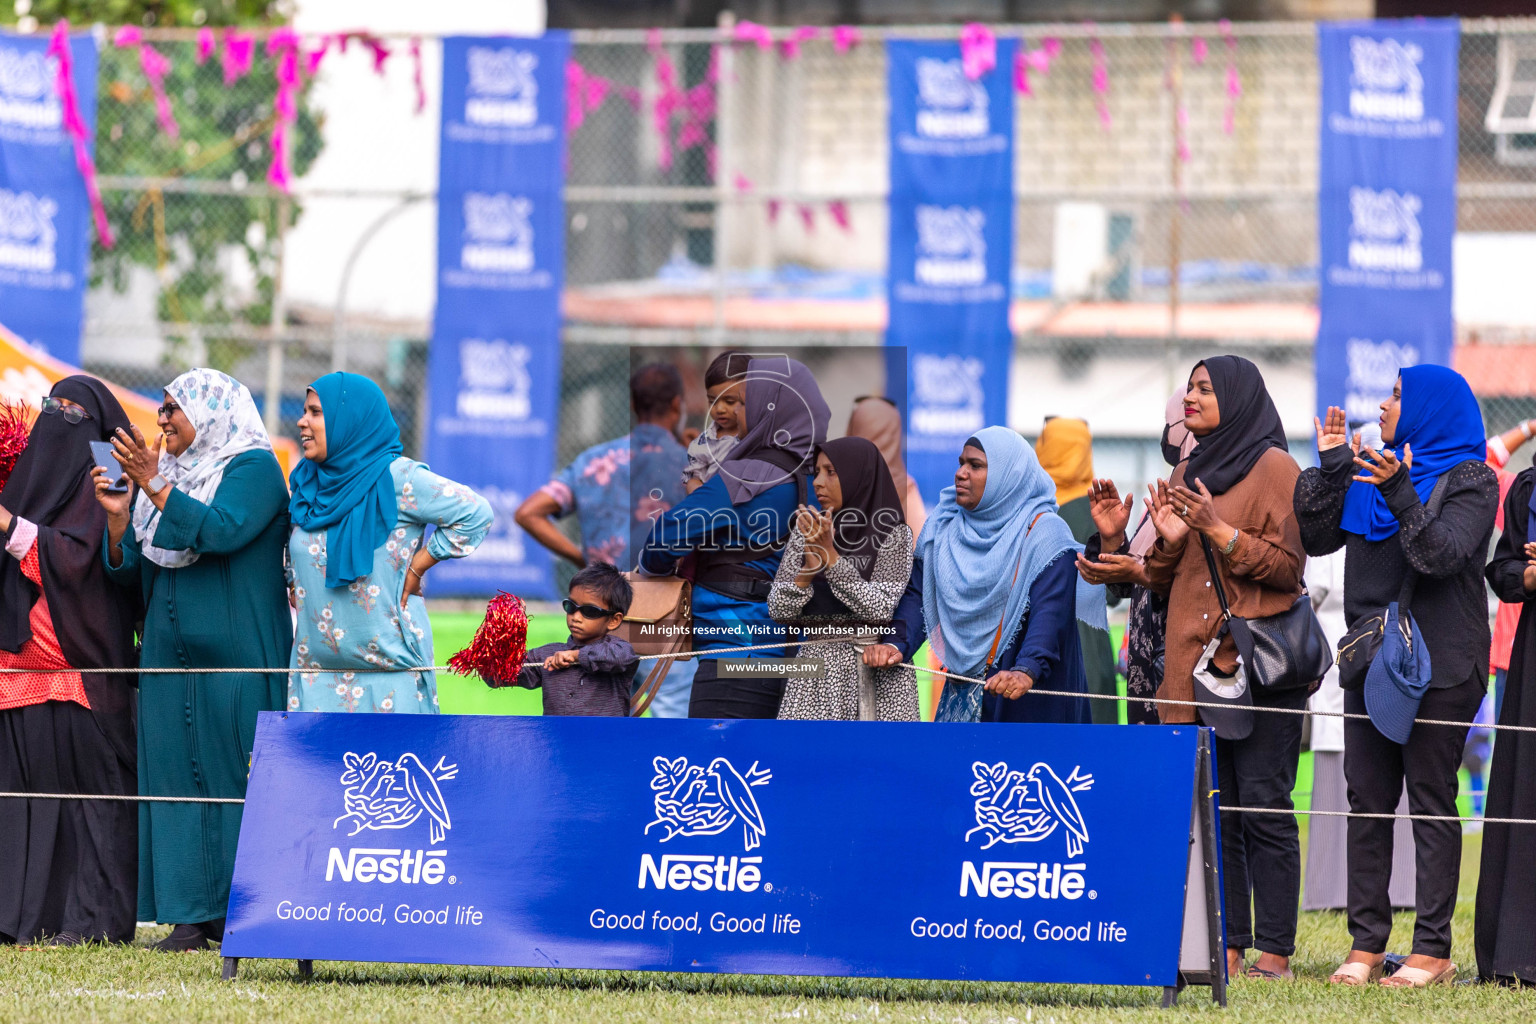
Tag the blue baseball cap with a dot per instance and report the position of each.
(1396, 681)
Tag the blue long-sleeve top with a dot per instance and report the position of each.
(706, 520)
(1046, 646)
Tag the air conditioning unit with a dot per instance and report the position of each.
(1093, 253)
(1511, 116)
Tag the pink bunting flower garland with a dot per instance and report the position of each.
(789, 49)
(585, 93)
(839, 211)
(1234, 82)
(1100, 76)
(752, 32)
(697, 106)
(978, 50)
(74, 125)
(845, 38)
(669, 97)
(205, 45)
(284, 44)
(1026, 60)
(421, 90)
(156, 67)
(239, 48)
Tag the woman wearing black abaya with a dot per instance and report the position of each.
(1505, 925)
(70, 866)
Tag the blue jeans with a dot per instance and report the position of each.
(673, 693)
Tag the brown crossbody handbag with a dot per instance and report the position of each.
(659, 621)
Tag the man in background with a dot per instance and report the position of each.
(615, 489)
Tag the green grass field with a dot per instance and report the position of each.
(96, 984)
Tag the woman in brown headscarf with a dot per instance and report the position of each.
(879, 420)
(1065, 450)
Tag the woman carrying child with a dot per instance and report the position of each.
(844, 568)
(736, 525)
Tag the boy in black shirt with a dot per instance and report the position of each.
(590, 673)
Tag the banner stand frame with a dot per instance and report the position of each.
(1202, 947)
(1202, 953)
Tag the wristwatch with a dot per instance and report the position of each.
(157, 483)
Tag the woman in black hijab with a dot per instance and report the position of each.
(73, 864)
(844, 569)
(1228, 505)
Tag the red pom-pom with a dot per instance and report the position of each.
(14, 432)
(500, 644)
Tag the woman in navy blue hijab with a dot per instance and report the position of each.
(1424, 505)
(1435, 423)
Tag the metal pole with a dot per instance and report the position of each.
(272, 412)
(724, 152)
(1175, 219)
(339, 340)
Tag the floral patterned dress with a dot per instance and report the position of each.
(341, 630)
(836, 695)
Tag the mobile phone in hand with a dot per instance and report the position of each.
(106, 458)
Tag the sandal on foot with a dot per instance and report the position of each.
(1417, 977)
(1355, 973)
(1267, 975)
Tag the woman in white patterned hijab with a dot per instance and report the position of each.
(227, 424)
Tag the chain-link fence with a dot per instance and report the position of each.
(733, 194)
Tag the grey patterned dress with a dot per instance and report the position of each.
(891, 695)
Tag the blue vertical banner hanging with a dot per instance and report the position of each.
(45, 217)
(494, 365)
(1386, 206)
(951, 247)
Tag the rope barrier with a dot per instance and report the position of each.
(1334, 814)
(775, 647)
(1369, 814)
(131, 798)
(1493, 726)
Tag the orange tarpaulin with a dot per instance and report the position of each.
(26, 375)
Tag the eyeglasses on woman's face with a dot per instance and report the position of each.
(71, 412)
(167, 410)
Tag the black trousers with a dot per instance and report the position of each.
(714, 697)
(67, 865)
(1261, 853)
(1376, 769)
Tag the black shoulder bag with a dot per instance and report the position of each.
(1281, 652)
(1358, 647)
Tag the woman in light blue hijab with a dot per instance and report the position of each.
(1000, 594)
(356, 558)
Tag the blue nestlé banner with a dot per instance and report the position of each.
(951, 247)
(494, 366)
(1386, 206)
(1012, 852)
(45, 218)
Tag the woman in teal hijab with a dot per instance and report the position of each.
(359, 510)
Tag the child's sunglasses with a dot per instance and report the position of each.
(587, 611)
